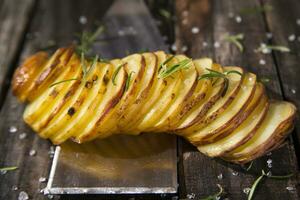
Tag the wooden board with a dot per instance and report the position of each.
(59, 21)
(199, 174)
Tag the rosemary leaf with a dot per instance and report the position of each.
(63, 81)
(94, 62)
(263, 80)
(281, 177)
(83, 65)
(233, 72)
(263, 48)
(8, 168)
(184, 64)
(163, 65)
(165, 13)
(249, 166)
(235, 39)
(116, 73)
(128, 81)
(258, 9)
(254, 186)
(215, 196)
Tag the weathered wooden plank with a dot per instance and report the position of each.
(284, 24)
(14, 18)
(215, 19)
(58, 21)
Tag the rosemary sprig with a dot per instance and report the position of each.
(216, 74)
(184, 64)
(260, 178)
(165, 13)
(163, 65)
(128, 81)
(263, 80)
(255, 10)
(94, 62)
(87, 39)
(236, 40)
(63, 81)
(8, 168)
(263, 48)
(116, 73)
(215, 196)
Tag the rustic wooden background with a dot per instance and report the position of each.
(29, 25)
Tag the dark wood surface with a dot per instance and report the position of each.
(26, 26)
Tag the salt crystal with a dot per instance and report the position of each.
(216, 44)
(185, 13)
(262, 62)
(270, 153)
(220, 176)
(32, 152)
(293, 91)
(184, 48)
(234, 173)
(14, 188)
(22, 136)
(13, 129)
(195, 30)
(174, 47)
(246, 190)
(269, 35)
(269, 165)
(266, 50)
(298, 22)
(82, 19)
(290, 188)
(269, 173)
(2, 172)
(23, 196)
(269, 161)
(190, 196)
(42, 179)
(231, 15)
(50, 196)
(238, 19)
(204, 44)
(292, 37)
(121, 32)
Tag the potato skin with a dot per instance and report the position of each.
(134, 103)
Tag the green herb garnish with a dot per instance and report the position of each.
(216, 74)
(263, 80)
(249, 166)
(260, 178)
(184, 64)
(165, 13)
(128, 80)
(63, 81)
(258, 9)
(268, 48)
(217, 195)
(235, 39)
(8, 168)
(163, 65)
(94, 62)
(116, 73)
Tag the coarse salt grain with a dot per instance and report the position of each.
(220, 176)
(13, 129)
(246, 190)
(195, 30)
(82, 19)
(269, 35)
(216, 44)
(184, 48)
(32, 152)
(292, 37)
(235, 173)
(14, 188)
(204, 44)
(42, 179)
(238, 19)
(22, 136)
(174, 47)
(290, 188)
(262, 62)
(23, 196)
(293, 91)
(191, 196)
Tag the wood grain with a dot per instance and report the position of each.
(14, 19)
(212, 18)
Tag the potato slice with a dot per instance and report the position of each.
(52, 69)
(149, 62)
(242, 134)
(215, 105)
(26, 74)
(172, 86)
(43, 102)
(156, 89)
(208, 133)
(273, 130)
(86, 104)
(187, 87)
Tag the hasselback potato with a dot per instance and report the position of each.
(223, 111)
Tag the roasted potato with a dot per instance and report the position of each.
(223, 111)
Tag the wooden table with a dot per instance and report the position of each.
(28, 25)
